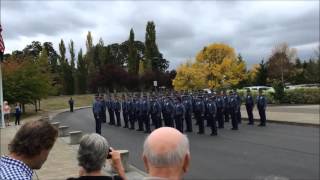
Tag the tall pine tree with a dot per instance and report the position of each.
(82, 73)
(153, 58)
(71, 68)
(133, 61)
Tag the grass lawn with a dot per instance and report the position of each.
(61, 102)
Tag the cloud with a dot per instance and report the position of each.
(183, 27)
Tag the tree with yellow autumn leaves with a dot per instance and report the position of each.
(216, 66)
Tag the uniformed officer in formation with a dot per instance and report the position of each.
(226, 106)
(238, 110)
(145, 110)
(249, 107)
(117, 109)
(261, 105)
(168, 110)
(155, 112)
(125, 111)
(179, 112)
(220, 107)
(132, 112)
(212, 112)
(199, 112)
(233, 107)
(104, 108)
(187, 102)
(96, 109)
(176, 110)
(110, 106)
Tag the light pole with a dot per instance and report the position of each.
(1, 99)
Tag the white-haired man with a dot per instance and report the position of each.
(166, 154)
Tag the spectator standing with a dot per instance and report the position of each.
(6, 112)
(92, 156)
(71, 103)
(28, 150)
(17, 113)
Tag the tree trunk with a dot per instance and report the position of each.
(23, 109)
(35, 105)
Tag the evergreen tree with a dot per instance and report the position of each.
(82, 73)
(133, 64)
(153, 58)
(262, 74)
(141, 68)
(71, 69)
(66, 71)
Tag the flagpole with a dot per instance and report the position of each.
(1, 99)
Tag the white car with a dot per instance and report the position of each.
(257, 88)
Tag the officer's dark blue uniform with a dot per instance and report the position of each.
(132, 113)
(117, 109)
(212, 110)
(220, 104)
(233, 110)
(110, 106)
(205, 116)
(198, 112)
(261, 105)
(249, 106)
(238, 111)
(125, 112)
(178, 114)
(226, 106)
(155, 112)
(188, 112)
(145, 109)
(103, 111)
(96, 109)
(168, 113)
(138, 115)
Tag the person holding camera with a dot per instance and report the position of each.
(92, 155)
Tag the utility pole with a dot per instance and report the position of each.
(1, 99)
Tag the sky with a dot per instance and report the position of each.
(183, 27)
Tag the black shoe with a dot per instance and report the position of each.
(250, 123)
(200, 132)
(213, 134)
(261, 125)
(147, 132)
(234, 128)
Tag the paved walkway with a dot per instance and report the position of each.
(295, 114)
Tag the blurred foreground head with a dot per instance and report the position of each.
(33, 142)
(166, 153)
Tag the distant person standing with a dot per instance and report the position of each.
(17, 113)
(71, 103)
(249, 107)
(6, 112)
(233, 110)
(96, 109)
(261, 105)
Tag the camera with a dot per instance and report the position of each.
(109, 155)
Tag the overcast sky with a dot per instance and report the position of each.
(183, 28)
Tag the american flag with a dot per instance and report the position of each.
(1, 45)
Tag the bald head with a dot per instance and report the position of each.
(166, 147)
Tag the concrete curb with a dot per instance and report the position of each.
(284, 122)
